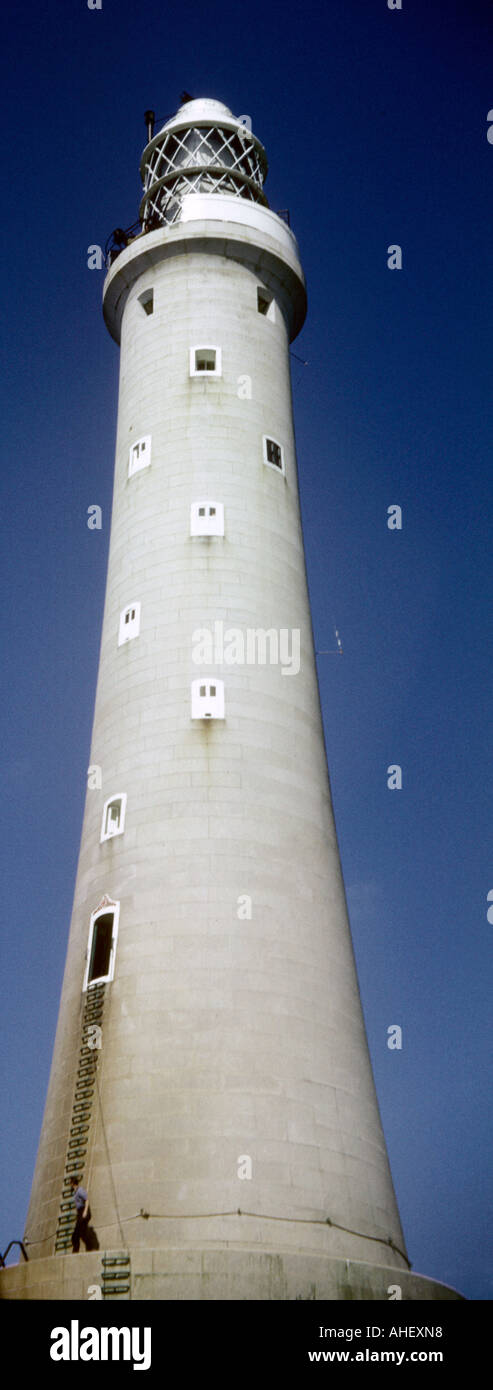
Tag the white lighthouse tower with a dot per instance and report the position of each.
(211, 1082)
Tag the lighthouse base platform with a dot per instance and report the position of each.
(214, 1276)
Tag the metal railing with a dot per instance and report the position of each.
(120, 238)
(9, 1247)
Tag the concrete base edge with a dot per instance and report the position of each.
(216, 1276)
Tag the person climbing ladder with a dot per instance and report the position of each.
(82, 1229)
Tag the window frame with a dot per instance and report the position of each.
(270, 312)
(102, 911)
(205, 371)
(144, 439)
(269, 439)
(145, 299)
(123, 638)
(196, 698)
(111, 834)
(195, 527)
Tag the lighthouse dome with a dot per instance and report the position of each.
(203, 108)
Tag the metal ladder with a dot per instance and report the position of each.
(115, 1278)
(81, 1115)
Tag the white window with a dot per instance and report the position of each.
(146, 299)
(266, 303)
(207, 698)
(140, 455)
(207, 519)
(273, 454)
(113, 822)
(129, 623)
(205, 361)
(101, 949)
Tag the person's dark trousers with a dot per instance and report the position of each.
(80, 1232)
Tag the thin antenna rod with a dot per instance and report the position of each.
(150, 117)
(331, 651)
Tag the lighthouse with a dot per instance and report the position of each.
(211, 1084)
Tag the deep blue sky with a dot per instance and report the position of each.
(375, 127)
